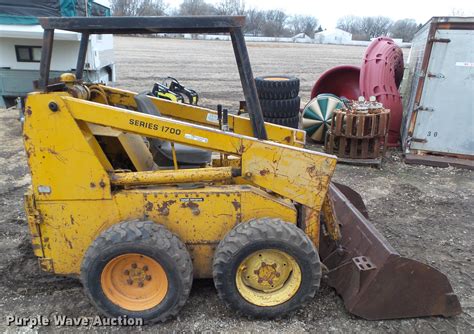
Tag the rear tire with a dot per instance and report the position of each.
(266, 268)
(137, 269)
(291, 122)
(280, 108)
(277, 87)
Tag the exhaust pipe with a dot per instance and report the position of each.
(374, 280)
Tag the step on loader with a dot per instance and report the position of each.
(137, 196)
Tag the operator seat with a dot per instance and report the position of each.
(186, 156)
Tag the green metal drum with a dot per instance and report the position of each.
(317, 115)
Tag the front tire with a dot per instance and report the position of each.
(266, 268)
(137, 269)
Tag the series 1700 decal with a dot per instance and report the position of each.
(154, 126)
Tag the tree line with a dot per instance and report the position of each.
(269, 23)
(366, 27)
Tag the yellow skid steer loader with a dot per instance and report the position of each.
(138, 196)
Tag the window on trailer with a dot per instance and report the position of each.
(25, 53)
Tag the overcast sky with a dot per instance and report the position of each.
(328, 11)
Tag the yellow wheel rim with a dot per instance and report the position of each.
(268, 277)
(276, 79)
(134, 282)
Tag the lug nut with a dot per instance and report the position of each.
(129, 281)
(274, 265)
(148, 277)
(140, 284)
(134, 265)
(126, 272)
(145, 268)
(277, 274)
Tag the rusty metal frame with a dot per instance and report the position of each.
(152, 25)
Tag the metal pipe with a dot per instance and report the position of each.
(174, 176)
(175, 159)
(248, 83)
(81, 58)
(46, 53)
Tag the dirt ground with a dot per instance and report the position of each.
(426, 213)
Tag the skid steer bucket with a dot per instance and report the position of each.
(373, 279)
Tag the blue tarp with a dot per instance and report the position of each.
(26, 12)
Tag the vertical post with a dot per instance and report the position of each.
(248, 83)
(81, 58)
(46, 53)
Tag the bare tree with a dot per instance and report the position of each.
(404, 29)
(275, 21)
(138, 7)
(350, 23)
(230, 7)
(305, 24)
(365, 27)
(457, 12)
(254, 22)
(196, 7)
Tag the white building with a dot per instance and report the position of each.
(333, 36)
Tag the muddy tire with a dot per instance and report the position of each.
(277, 87)
(291, 122)
(137, 269)
(280, 108)
(266, 268)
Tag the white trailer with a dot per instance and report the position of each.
(20, 53)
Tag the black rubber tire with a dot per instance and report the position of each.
(150, 239)
(277, 89)
(291, 122)
(265, 233)
(280, 108)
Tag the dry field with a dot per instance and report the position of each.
(426, 213)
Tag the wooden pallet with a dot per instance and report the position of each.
(358, 138)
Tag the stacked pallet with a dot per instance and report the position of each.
(358, 134)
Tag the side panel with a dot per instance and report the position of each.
(446, 121)
(200, 218)
(63, 164)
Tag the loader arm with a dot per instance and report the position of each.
(203, 116)
(294, 173)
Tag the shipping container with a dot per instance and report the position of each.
(438, 94)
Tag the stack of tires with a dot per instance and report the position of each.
(279, 99)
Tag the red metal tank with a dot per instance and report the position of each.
(342, 81)
(380, 76)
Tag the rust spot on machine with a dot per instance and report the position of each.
(236, 204)
(264, 172)
(374, 280)
(164, 208)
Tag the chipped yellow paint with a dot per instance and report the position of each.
(62, 162)
(172, 176)
(33, 217)
(298, 174)
(201, 218)
(73, 199)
